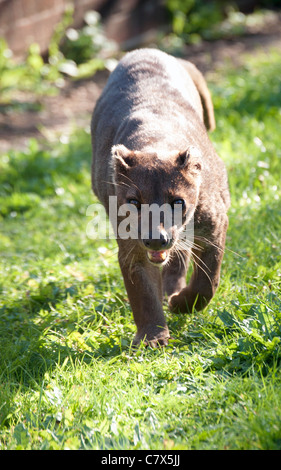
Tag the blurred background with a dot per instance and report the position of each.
(55, 55)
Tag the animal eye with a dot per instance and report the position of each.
(178, 202)
(134, 202)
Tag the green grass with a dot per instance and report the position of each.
(68, 376)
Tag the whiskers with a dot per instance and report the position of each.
(125, 260)
(123, 183)
(205, 240)
(114, 183)
(185, 250)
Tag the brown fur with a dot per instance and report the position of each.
(150, 144)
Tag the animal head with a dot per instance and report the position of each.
(159, 194)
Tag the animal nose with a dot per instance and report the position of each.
(157, 244)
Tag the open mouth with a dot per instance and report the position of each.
(157, 257)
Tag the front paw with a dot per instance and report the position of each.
(178, 303)
(153, 336)
(186, 301)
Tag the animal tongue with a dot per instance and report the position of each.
(157, 256)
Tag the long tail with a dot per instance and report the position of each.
(201, 85)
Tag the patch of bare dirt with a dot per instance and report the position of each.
(56, 115)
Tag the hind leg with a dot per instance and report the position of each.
(174, 274)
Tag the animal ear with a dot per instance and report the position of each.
(122, 157)
(191, 159)
(182, 159)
